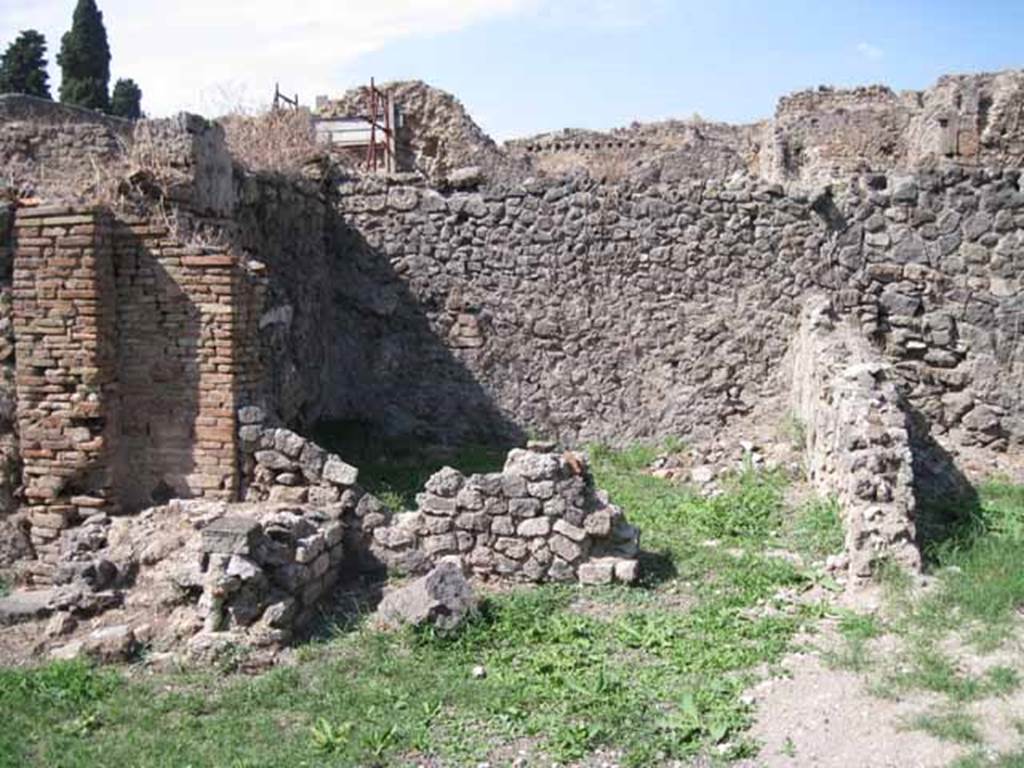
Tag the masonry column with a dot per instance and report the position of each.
(65, 369)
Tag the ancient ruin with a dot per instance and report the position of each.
(176, 325)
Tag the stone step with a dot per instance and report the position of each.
(19, 607)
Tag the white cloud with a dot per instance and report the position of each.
(208, 55)
(870, 52)
(602, 14)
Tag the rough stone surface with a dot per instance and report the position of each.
(858, 439)
(442, 598)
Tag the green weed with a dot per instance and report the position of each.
(953, 726)
(856, 631)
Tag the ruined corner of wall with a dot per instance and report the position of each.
(858, 438)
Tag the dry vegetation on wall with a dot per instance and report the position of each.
(280, 141)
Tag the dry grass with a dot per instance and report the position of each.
(279, 141)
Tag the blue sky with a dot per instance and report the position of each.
(525, 66)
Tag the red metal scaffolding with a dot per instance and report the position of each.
(381, 117)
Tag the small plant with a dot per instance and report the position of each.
(788, 747)
(329, 738)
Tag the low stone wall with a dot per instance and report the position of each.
(857, 438)
(539, 519)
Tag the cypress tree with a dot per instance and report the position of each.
(23, 66)
(84, 59)
(126, 100)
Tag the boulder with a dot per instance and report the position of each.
(443, 598)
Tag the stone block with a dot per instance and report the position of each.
(274, 460)
(627, 571)
(443, 544)
(565, 548)
(473, 521)
(446, 482)
(231, 535)
(289, 443)
(531, 465)
(251, 414)
(338, 472)
(524, 507)
(322, 494)
(436, 505)
(535, 526)
(596, 572)
(570, 531)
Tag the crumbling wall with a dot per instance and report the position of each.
(539, 519)
(53, 150)
(857, 434)
(669, 151)
(130, 367)
(435, 136)
(821, 136)
(931, 267)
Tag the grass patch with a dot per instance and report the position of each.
(816, 530)
(955, 726)
(856, 631)
(654, 678)
(973, 551)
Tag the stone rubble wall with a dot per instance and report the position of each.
(54, 150)
(931, 267)
(539, 519)
(585, 311)
(267, 573)
(857, 433)
(629, 311)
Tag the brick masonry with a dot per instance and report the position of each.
(128, 367)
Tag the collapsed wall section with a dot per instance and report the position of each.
(539, 519)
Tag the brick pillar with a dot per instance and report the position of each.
(210, 279)
(65, 368)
